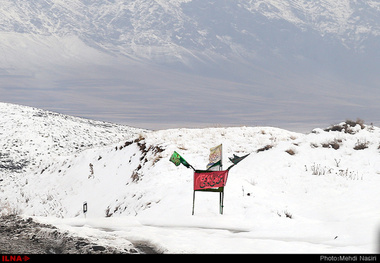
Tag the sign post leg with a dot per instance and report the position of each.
(193, 201)
(221, 200)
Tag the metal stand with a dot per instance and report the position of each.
(214, 167)
(219, 190)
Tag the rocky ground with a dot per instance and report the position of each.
(24, 236)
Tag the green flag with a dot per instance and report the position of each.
(177, 160)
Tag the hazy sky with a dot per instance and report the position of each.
(206, 64)
(156, 98)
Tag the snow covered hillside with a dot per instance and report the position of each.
(29, 135)
(178, 28)
(32, 139)
(294, 193)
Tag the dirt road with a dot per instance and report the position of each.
(24, 236)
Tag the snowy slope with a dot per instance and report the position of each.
(192, 33)
(296, 193)
(30, 136)
(148, 28)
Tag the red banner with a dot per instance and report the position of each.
(207, 180)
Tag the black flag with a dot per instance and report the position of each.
(236, 159)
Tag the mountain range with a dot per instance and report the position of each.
(141, 62)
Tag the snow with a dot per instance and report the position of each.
(317, 200)
(134, 28)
